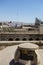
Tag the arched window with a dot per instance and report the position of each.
(24, 39)
(17, 39)
(37, 39)
(42, 38)
(10, 39)
(30, 39)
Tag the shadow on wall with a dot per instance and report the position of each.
(12, 62)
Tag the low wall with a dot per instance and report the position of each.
(17, 42)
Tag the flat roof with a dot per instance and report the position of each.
(29, 46)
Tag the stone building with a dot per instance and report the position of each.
(24, 32)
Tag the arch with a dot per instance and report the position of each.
(42, 39)
(17, 39)
(37, 39)
(24, 39)
(30, 39)
(10, 39)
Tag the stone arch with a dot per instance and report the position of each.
(17, 39)
(30, 39)
(24, 39)
(10, 39)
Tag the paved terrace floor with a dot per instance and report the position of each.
(7, 56)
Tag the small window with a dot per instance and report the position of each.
(30, 39)
(42, 38)
(17, 39)
(24, 39)
(37, 38)
(10, 39)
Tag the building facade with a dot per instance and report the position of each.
(24, 32)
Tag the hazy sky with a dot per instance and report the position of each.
(21, 10)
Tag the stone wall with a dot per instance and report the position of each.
(20, 37)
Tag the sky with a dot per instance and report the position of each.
(21, 10)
